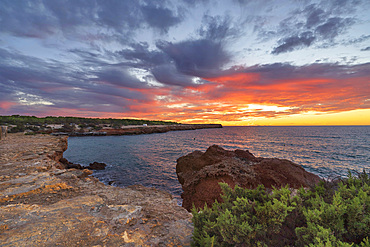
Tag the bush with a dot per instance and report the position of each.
(330, 214)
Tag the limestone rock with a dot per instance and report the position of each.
(199, 174)
(41, 205)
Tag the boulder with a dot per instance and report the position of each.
(199, 174)
(96, 166)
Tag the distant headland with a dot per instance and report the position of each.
(78, 126)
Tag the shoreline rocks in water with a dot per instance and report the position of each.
(41, 205)
(199, 174)
(65, 164)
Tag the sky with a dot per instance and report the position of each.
(236, 62)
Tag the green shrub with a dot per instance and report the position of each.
(246, 217)
(330, 214)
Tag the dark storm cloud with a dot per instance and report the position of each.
(333, 27)
(366, 49)
(314, 15)
(294, 42)
(179, 63)
(168, 75)
(196, 57)
(119, 77)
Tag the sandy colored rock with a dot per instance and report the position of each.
(41, 205)
(200, 174)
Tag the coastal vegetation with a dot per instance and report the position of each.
(21, 123)
(335, 213)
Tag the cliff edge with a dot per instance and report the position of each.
(41, 205)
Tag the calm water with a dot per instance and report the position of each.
(150, 160)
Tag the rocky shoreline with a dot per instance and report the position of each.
(42, 205)
(47, 201)
(140, 129)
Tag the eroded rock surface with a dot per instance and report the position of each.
(199, 174)
(41, 205)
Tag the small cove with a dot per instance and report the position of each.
(150, 159)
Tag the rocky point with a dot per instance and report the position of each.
(200, 174)
(43, 205)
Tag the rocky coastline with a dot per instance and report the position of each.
(140, 129)
(43, 205)
(47, 201)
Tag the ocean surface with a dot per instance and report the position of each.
(150, 159)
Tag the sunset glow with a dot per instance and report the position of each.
(228, 62)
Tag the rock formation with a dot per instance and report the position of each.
(96, 166)
(65, 164)
(199, 174)
(41, 205)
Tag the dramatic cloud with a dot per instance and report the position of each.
(332, 27)
(196, 57)
(48, 83)
(119, 78)
(315, 24)
(76, 18)
(190, 61)
(169, 75)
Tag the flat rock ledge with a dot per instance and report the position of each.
(41, 205)
(201, 172)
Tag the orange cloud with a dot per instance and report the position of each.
(237, 79)
(226, 99)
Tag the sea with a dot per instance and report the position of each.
(150, 160)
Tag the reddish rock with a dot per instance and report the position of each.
(199, 174)
(96, 166)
